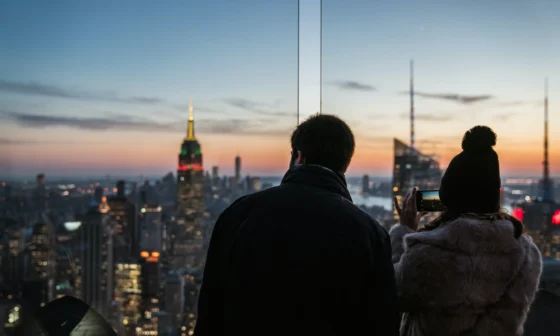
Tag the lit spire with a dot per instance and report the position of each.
(190, 127)
(191, 116)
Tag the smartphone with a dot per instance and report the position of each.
(428, 200)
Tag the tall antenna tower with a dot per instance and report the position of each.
(547, 185)
(412, 103)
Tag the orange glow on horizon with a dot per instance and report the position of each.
(261, 155)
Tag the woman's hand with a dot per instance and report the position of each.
(408, 214)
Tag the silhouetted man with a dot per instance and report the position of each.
(301, 258)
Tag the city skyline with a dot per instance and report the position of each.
(81, 98)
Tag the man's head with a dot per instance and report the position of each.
(323, 140)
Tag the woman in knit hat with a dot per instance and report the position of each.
(472, 271)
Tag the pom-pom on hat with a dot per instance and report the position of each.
(472, 180)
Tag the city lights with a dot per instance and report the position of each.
(518, 213)
(556, 218)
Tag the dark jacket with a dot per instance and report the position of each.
(298, 259)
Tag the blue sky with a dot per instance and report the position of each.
(95, 87)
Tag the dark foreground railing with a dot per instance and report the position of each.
(66, 316)
(69, 315)
(544, 317)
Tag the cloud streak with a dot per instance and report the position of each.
(504, 116)
(453, 97)
(429, 117)
(240, 127)
(37, 89)
(127, 123)
(8, 141)
(513, 103)
(255, 107)
(95, 124)
(353, 85)
(518, 103)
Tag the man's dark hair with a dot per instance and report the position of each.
(324, 140)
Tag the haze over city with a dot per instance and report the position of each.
(85, 90)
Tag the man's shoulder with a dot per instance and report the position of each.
(358, 223)
(373, 226)
(244, 203)
(363, 217)
(334, 206)
(250, 198)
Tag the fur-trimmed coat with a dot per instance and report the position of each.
(466, 277)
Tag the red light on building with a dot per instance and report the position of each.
(195, 167)
(518, 213)
(556, 218)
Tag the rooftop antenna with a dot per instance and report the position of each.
(547, 187)
(190, 127)
(412, 104)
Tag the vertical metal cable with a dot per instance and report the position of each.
(412, 135)
(321, 58)
(298, 9)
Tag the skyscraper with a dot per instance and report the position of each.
(365, 184)
(190, 173)
(413, 169)
(190, 199)
(128, 292)
(151, 283)
(238, 169)
(123, 214)
(98, 194)
(43, 254)
(40, 194)
(12, 266)
(215, 177)
(96, 260)
(174, 296)
(151, 228)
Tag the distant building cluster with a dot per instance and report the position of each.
(134, 253)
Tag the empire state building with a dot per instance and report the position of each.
(190, 198)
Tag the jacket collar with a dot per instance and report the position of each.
(318, 176)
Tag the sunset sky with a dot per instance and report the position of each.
(99, 87)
